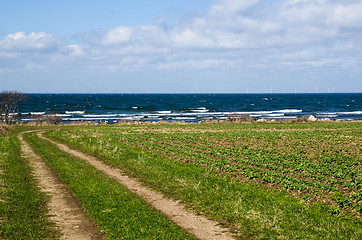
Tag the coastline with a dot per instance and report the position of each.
(113, 108)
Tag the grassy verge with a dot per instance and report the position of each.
(251, 209)
(118, 213)
(22, 207)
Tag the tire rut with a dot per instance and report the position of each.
(197, 225)
(63, 208)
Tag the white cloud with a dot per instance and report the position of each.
(75, 50)
(196, 64)
(190, 38)
(119, 35)
(347, 15)
(252, 35)
(33, 42)
(305, 55)
(224, 8)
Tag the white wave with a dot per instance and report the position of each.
(136, 117)
(163, 112)
(100, 116)
(289, 111)
(37, 113)
(184, 118)
(124, 115)
(151, 114)
(283, 117)
(327, 115)
(86, 119)
(63, 115)
(126, 118)
(199, 114)
(134, 107)
(275, 115)
(74, 112)
(350, 113)
(199, 109)
(249, 113)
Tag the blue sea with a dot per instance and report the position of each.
(112, 108)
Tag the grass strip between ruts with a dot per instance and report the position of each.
(23, 213)
(251, 209)
(118, 212)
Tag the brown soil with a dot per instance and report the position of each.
(63, 208)
(197, 225)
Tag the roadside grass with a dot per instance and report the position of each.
(249, 208)
(23, 213)
(3, 129)
(118, 212)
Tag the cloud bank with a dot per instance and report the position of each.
(295, 42)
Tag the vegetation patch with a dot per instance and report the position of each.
(3, 129)
(23, 212)
(282, 180)
(119, 213)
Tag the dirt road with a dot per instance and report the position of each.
(197, 225)
(63, 208)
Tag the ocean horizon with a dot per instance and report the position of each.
(195, 107)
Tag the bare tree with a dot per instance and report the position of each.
(9, 101)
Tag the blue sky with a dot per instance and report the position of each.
(184, 46)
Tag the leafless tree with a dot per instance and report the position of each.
(9, 101)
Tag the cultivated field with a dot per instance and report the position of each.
(259, 180)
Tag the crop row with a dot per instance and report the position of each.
(326, 161)
(292, 163)
(259, 160)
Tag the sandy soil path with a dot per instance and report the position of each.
(199, 226)
(63, 208)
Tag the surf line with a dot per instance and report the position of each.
(197, 225)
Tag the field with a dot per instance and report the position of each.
(260, 180)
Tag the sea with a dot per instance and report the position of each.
(112, 108)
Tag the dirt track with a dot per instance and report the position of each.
(63, 208)
(199, 226)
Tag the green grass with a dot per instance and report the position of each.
(119, 213)
(171, 159)
(22, 207)
(322, 159)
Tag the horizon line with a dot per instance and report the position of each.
(191, 93)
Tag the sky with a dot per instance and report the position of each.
(183, 46)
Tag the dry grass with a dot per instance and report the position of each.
(3, 129)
